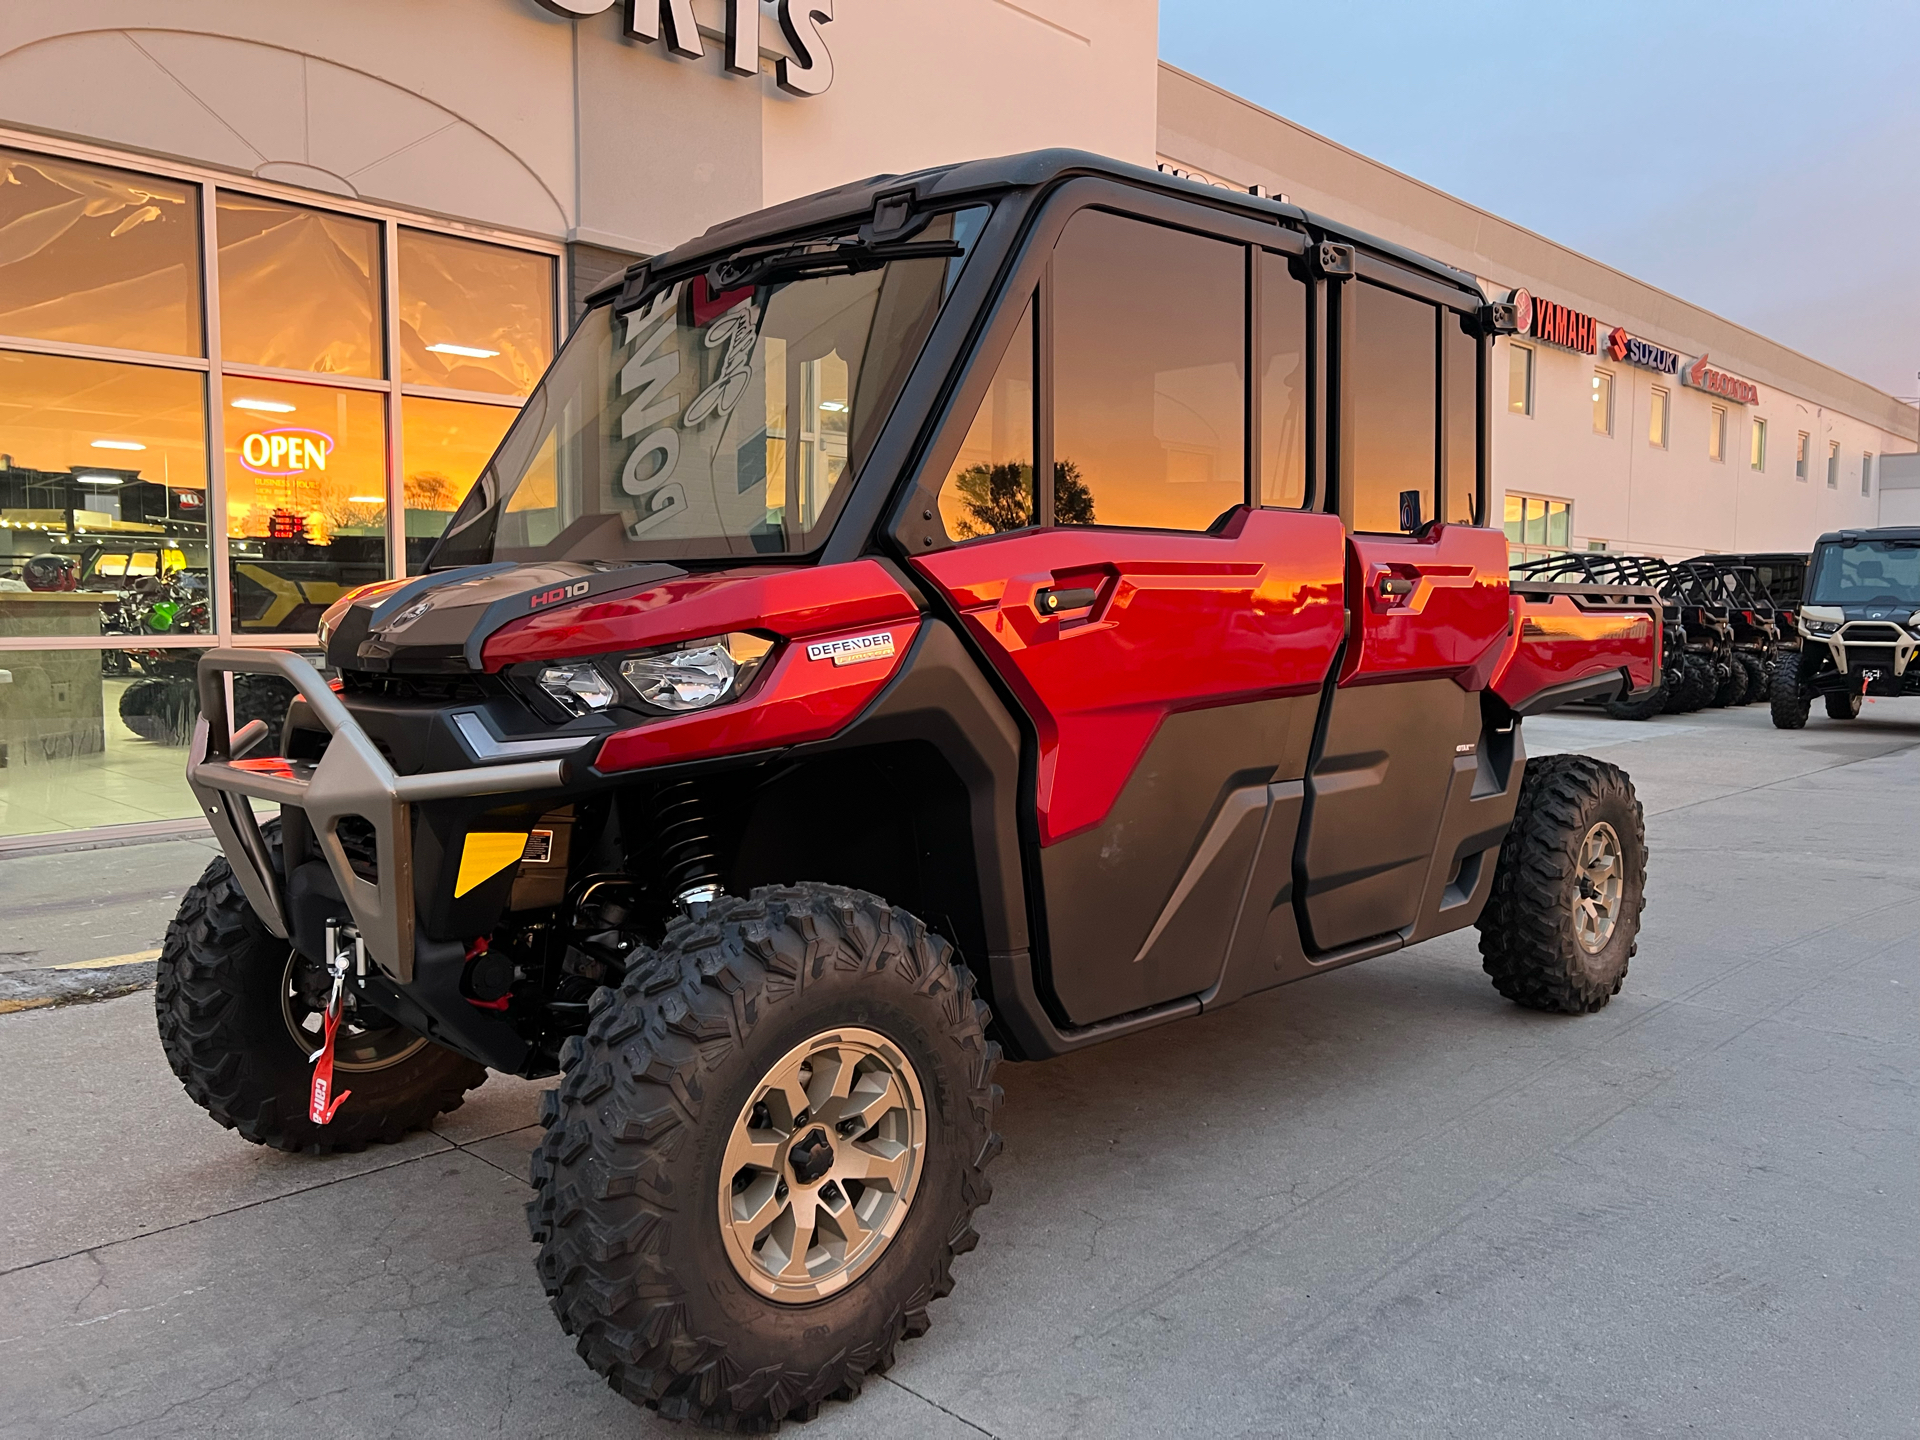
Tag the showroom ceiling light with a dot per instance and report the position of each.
(118, 445)
(276, 407)
(366, 499)
(100, 479)
(470, 351)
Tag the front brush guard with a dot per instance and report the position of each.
(352, 778)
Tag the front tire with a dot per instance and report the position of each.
(236, 1008)
(1564, 916)
(687, 1231)
(1790, 706)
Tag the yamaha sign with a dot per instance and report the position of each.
(809, 71)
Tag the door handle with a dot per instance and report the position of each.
(1395, 585)
(1053, 602)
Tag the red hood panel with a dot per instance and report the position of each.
(791, 603)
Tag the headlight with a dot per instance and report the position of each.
(698, 674)
(580, 689)
(1822, 627)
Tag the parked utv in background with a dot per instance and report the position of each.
(1859, 626)
(1753, 618)
(1782, 576)
(992, 610)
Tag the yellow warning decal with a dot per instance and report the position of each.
(485, 855)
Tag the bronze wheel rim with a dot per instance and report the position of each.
(821, 1165)
(365, 1041)
(1597, 887)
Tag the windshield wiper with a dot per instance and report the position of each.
(811, 260)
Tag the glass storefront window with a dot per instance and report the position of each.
(103, 498)
(94, 737)
(446, 444)
(108, 452)
(299, 288)
(306, 473)
(1536, 527)
(473, 316)
(97, 256)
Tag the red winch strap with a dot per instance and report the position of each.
(319, 1109)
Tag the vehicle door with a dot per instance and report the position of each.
(1427, 593)
(1166, 636)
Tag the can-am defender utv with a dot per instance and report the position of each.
(1687, 679)
(1859, 625)
(1753, 617)
(997, 609)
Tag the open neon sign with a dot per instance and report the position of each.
(285, 452)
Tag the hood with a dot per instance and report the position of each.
(438, 624)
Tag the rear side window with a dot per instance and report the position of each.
(989, 487)
(1392, 377)
(1149, 374)
(1460, 407)
(1282, 373)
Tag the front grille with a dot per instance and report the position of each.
(422, 689)
(1870, 657)
(1872, 633)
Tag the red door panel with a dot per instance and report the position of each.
(1427, 607)
(1176, 622)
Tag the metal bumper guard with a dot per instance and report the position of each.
(351, 779)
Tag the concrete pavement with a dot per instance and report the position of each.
(1382, 1202)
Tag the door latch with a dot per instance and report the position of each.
(1054, 602)
(1396, 586)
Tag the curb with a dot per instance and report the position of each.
(36, 989)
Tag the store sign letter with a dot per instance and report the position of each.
(285, 452)
(808, 72)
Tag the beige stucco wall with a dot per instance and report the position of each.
(500, 113)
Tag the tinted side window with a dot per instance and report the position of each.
(989, 487)
(1149, 371)
(1459, 354)
(1283, 384)
(1394, 441)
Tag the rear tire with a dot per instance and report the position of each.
(1842, 705)
(1790, 707)
(1758, 682)
(228, 1026)
(658, 1259)
(1564, 916)
(1642, 709)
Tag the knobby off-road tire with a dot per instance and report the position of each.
(1696, 684)
(227, 1025)
(1842, 705)
(1537, 934)
(1790, 707)
(629, 1176)
(1759, 684)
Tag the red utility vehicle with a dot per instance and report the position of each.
(993, 610)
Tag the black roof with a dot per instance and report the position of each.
(1031, 170)
(1884, 532)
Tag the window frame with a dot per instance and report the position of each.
(1833, 464)
(1717, 434)
(1803, 455)
(210, 184)
(1660, 404)
(1600, 372)
(1757, 445)
(1866, 473)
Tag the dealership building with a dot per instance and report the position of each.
(275, 278)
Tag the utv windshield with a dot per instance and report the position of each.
(1868, 572)
(720, 419)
